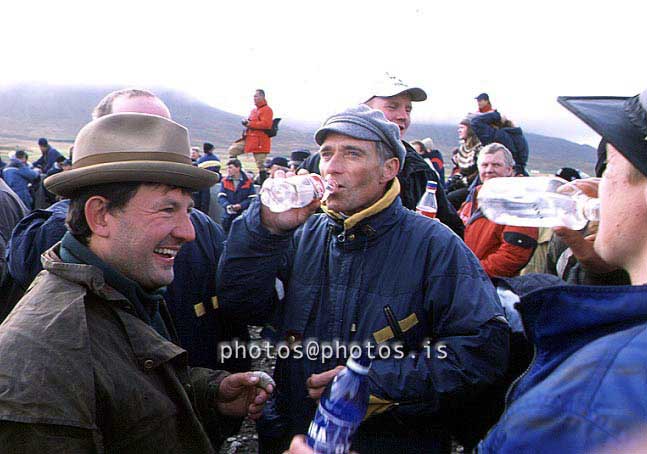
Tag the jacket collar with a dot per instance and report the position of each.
(382, 204)
(573, 311)
(146, 343)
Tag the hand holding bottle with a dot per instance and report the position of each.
(280, 222)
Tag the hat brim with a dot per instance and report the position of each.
(606, 115)
(169, 173)
(415, 93)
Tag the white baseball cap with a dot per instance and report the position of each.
(390, 85)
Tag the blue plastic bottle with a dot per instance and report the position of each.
(341, 409)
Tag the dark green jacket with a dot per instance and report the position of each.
(81, 372)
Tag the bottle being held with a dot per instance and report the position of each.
(536, 202)
(282, 194)
(427, 205)
(341, 409)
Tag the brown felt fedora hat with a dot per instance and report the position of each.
(127, 147)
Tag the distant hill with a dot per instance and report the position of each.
(31, 111)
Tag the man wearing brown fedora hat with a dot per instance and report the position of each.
(585, 390)
(109, 377)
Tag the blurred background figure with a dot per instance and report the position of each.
(20, 177)
(297, 157)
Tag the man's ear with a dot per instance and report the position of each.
(390, 169)
(96, 215)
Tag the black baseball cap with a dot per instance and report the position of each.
(483, 97)
(621, 121)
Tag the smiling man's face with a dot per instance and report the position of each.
(147, 233)
(396, 109)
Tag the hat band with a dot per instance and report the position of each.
(109, 158)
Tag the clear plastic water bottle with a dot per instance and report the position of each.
(534, 202)
(341, 409)
(427, 205)
(282, 194)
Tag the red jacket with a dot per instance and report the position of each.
(256, 141)
(502, 249)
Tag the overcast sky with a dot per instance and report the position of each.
(316, 57)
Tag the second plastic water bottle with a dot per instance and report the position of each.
(427, 205)
(535, 202)
(341, 409)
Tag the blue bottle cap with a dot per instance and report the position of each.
(432, 185)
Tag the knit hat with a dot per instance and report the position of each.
(363, 123)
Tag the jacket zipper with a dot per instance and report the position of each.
(516, 381)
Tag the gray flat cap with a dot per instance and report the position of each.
(363, 123)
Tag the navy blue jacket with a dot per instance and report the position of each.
(18, 176)
(339, 278)
(191, 297)
(586, 385)
(512, 138)
(207, 157)
(46, 161)
(229, 195)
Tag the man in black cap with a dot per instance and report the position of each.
(275, 164)
(48, 156)
(336, 290)
(297, 157)
(483, 102)
(208, 154)
(585, 389)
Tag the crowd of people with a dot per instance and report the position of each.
(115, 298)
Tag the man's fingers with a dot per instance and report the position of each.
(322, 379)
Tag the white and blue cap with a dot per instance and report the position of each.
(363, 123)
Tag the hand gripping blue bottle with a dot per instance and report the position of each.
(341, 409)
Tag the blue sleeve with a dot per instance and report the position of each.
(222, 197)
(248, 199)
(541, 427)
(251, 260)
(470, 337)
(32, 236)
(482, 126)
(28, 174)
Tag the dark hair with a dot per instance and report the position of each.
(60, 159)
(21, 154)
(261, 91)
(43, 141)
(422, 146)
(234, 162)
(118, 195)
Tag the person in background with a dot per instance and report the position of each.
(208, 154)
(21, 177)
(492, 127)
(277, 163)
(465, 168)
(436, 157)
(255, 139)
(12, 210)
(503, 250)
(483, 103)
(195, 155)
(395, 100)
(48, 157)
(423, 151)
(235, 192)
(297, 157)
